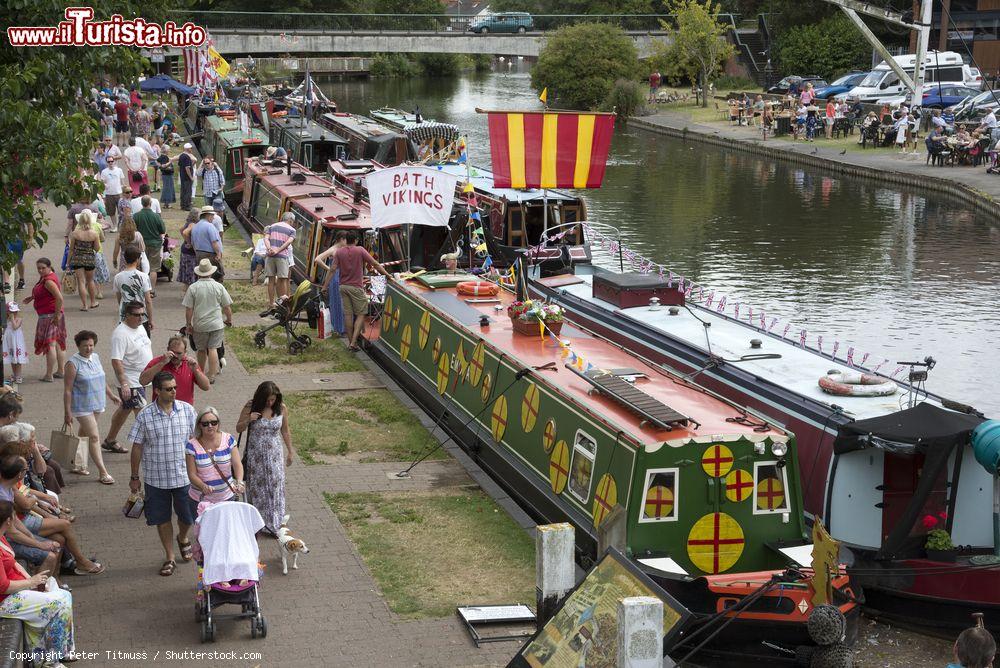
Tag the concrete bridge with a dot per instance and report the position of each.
(238, 42)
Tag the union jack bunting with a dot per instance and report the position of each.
(850, 356)
(722, 304)
(802, 338)
(785, 333)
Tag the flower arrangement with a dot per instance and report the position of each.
(533, 311)
(938, 539)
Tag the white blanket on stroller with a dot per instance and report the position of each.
(227, 536)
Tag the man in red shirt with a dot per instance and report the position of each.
(121, 123)
(178, 364)
(351, 260)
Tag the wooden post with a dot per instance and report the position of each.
(555, 568)
(640, 632)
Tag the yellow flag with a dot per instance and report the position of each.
(218, 63)
(467, 188)
(541, 329)
(544, 97)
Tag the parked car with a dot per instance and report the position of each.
(946, 67)
(841, 86)
(945, 96)
(798, 82)
(506, 22)
(974, 107)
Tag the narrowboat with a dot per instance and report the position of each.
(877, 492)
(196, 113)
(434, 141)
(231, 148)
(320, 208)
(307, 142)
(703, 497)
(369, 140)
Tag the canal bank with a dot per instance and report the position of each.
(970, 185)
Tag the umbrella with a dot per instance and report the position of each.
(163, 83)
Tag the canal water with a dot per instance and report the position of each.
(893, 272)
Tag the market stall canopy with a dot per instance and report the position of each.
(162, 83)
(923, 427)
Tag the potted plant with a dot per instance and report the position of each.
(525, 316)
(939, 546)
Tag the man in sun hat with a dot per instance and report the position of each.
(276, 153)
(208, 312)
(206, 239)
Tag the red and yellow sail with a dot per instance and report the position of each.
(552, 149)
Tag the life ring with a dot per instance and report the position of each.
(478, 288)
(279, 114)
(252, 140)
(856, 384)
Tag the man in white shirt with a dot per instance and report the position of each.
(151, 152)
(113, 178)
(131, 284)
(136, 202)
(111, 150)
(130, 354)
(136, 161)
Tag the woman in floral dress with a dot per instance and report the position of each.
(47, 615)
(268, 451)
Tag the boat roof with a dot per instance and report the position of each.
(337, 210)
(482, 180)
(220, 124)
(276, 177)
(238, 138)
(709, 411)
(314, 191)
(396, 118)
(361, 125)
(798, 369)
(309, 131)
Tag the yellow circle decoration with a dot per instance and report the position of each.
(559, 467)
(739, 485)
(487, 385)
(549, 435)
(498, 420)
(529, 408)
(404, 343)
(715, 543)
(460, 362)
(477, 364)
(424, 332)
(659, 502)
(717, 460)
(605, 498)
(387, 310)
(444, 369)
(395, 319)
(770, 494)
(436, 350)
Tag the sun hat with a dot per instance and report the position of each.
(188, 145)
(205, 268)
(207, 209)
(271, 150)
(12, 307)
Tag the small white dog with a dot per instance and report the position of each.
(289, 545)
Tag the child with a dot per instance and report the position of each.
(975, 647)
(257, 260)
(14, 351)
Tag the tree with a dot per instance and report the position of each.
(699, 46)
(46, 134)
(580, 63)
(828, 48)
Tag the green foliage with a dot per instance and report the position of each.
(735, 83)
(439, 64)
(482, 62)
(580, 63)
(698, 49)
(828, 48)
(938, 539)
(45, 135)
(393, 65)
(626, 99)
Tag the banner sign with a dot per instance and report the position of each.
(410, 194)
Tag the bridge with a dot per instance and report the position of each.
(258, 33)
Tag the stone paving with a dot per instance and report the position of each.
(327, 613)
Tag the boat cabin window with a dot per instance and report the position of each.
(515, 236)
(237, 158)
(268, 206)
(770, 488)
(302, 244)
(582, 466)
(659, 496)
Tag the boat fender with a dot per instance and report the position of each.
(478, 288)
(856, 384)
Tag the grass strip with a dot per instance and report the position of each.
(330, 352)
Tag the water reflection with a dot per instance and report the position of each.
(889, 271)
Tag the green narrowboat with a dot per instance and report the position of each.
(706, 498)
(231, 148)
(307, 142)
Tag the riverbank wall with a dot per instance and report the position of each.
(970, 185)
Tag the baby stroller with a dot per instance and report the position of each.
(166, 271)
(228, 573)
(302, 306)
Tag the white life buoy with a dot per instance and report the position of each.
(856, 384)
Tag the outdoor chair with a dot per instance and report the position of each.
(722, 113)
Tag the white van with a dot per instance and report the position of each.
(943, 66)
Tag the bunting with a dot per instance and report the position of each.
(549, 149)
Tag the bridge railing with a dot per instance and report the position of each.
(312, 22)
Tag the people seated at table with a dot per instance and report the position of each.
(937, 144)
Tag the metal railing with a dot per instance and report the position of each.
(311, 22)
(321, 65)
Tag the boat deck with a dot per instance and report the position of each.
(709, 412)
(797, 369)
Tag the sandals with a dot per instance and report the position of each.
(187, 551)
(79, 470)
(106, 479)
(57, 374)
(96, 570)
(167, 569)
(112, 446)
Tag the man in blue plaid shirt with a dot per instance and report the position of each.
(213, 180)
(158, 437)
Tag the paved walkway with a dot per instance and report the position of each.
(328, 613)
(974, 180)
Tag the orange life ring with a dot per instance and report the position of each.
(478, 288)
(252, 140)
(856, 384)
(279, 114)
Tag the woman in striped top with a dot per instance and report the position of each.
(213, 462)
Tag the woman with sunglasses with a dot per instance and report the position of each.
(213, 462)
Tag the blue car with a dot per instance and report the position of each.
(841, 86)
(946, 95)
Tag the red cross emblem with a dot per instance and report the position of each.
(659, 502)
(717, 460)
(720, 535)
(739, 484)
(770, 494)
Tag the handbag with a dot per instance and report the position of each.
(64, 444)
(65, 258)
(134, 505)
(68, 282)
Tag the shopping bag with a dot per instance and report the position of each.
(65, 259)
(324, 325)
(134, 505)
(64, 443)
(68, 282)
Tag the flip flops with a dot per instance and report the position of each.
(78, 470)
(96, 570)
(107, 480)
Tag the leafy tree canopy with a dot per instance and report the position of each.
(698, 47)
(828, 48)
(580, 63)
(45, 134)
